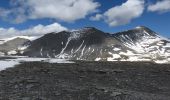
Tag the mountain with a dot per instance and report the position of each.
(141, 38)
(146, 43)
(139, 44)
(13, 46)
(84, 44)
(91, 44)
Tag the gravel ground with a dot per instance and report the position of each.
(86, 81)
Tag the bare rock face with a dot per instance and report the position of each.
(86, 81)
(84, 44)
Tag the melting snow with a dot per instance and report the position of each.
(58, 61)
(25, 37)
(97, 59)
(16, 61)
(12, 52)
(161, 61)
(7, 64)
(116, 49)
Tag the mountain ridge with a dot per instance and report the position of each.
(89, 43)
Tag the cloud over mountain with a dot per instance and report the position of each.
(19, 11)
(38, 30)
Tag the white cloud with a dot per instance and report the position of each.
(123, 14)
(38, 30)
(160, 6)
(41, 29)
(65, 10)
(15, 15)
(97, 17)
(4, 12)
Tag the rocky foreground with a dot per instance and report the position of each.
(86, 81)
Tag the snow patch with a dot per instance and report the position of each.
(114, 57)
(31, 38)
(4, 64)
(161, 61)
(116, 49)
(7, 64)
(97, 59)
(13, 52)
(58, 61)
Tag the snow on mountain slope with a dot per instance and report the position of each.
(139, 44)
(12, 46)
(31, 38)
(146, 43)
(75, 44)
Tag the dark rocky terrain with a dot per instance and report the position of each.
(86, 81)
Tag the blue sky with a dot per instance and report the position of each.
(23, 16)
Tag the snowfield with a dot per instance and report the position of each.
(13, 61)
(31, 38)
(7, 64)
(16, 60)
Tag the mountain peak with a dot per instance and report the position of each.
(86, 29)
(141, 27)
(141, 30)
(89, 28)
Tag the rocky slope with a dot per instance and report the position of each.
(86, 81)
(146, 43)
(139, 44)
(14, 46)
(84, 44)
